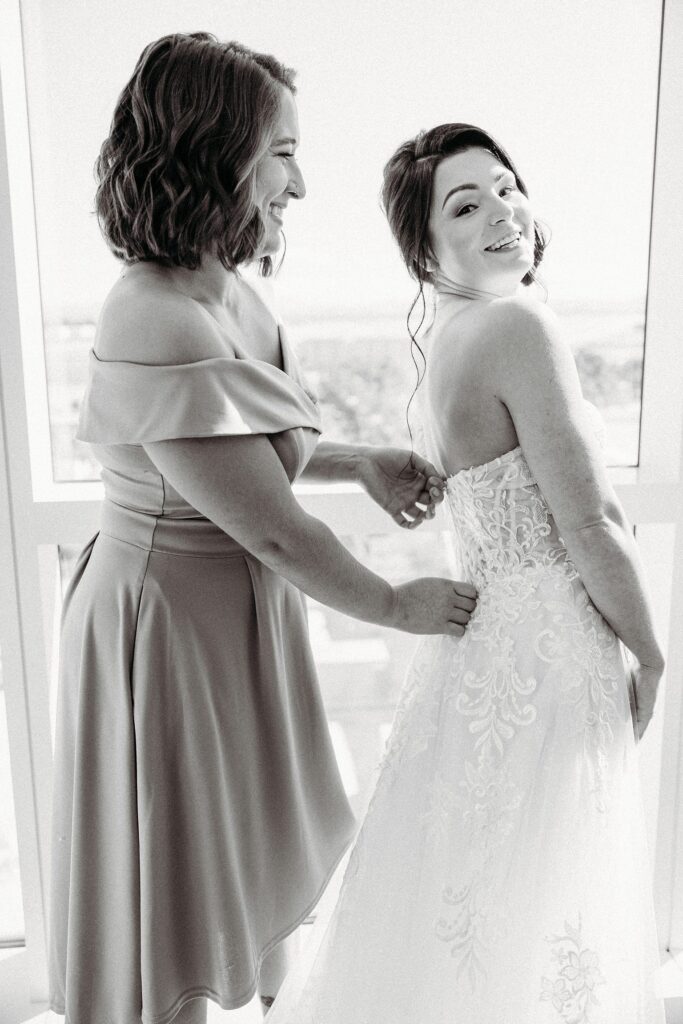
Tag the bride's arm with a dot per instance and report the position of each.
(536, 379)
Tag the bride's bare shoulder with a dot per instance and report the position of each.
(145, 320)
(515, 313)
(517, 326)
(515, 317)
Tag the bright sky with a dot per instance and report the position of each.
(568, 86)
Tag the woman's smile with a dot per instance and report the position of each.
(276, 211)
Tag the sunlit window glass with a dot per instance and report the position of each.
(584, 147)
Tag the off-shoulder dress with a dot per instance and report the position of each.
(198, 811)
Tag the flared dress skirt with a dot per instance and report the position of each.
(198, 809)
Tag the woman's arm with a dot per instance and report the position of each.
(536, 379)
(333, 462)
(239, 483)
(403, 483)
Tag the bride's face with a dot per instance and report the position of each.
(481, 226)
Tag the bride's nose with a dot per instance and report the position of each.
(501, 210)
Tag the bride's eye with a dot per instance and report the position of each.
(507, 189)
(465, 209)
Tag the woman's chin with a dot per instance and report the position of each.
(269, 247)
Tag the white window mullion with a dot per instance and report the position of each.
(24, 243)
(21, 625)
(660, 441)
(661, 451)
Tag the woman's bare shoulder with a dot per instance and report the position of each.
(145, 320)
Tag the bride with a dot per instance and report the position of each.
(500, 875)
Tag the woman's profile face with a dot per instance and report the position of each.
(481, 226)
(277, 177)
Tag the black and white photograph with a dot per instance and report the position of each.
(341, 512)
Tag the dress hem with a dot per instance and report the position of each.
(248, 994)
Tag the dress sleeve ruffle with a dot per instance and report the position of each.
(134, 403)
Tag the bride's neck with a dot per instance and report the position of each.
(444, 285)
(454, 294)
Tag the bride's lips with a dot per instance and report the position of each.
(506, 243)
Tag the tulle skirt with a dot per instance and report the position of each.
(501, 874)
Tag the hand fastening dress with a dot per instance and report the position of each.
(198, 810)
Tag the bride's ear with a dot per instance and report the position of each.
(430, 267)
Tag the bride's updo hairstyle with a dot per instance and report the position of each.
(407, 191)
(175, 174)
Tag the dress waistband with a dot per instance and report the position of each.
(197, 536)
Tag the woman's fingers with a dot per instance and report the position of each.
(413, 512)
(434, 489)
(468, 604)
(423, 508)
(413, 516)
(459, 615)
(454, 629)
(429, 497)
(424, 466)
(404, 518)
(465, 589)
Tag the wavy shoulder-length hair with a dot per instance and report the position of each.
(407, 191)
(175, 174)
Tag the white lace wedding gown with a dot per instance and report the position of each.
(500, 875)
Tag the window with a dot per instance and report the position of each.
(344, 289)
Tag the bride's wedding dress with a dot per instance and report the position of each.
(500, 875)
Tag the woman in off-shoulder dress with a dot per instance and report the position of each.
(501, 874)
(198, 810)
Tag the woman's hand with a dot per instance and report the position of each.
(407, 487)
(645, 679)
(433, 605)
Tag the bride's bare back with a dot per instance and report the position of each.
(470, 423)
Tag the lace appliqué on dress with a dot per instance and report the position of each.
(572, 990)
(509, 547)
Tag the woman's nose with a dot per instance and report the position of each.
(296, 181)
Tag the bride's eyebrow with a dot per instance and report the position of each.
(285, 142)
(458, 188)
(469, 185)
